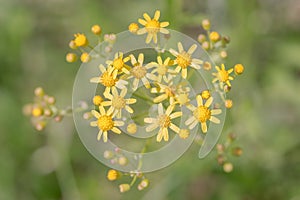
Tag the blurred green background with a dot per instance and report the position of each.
(53, 164)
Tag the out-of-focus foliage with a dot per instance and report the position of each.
(265, 37)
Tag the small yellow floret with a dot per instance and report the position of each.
(71, 57)
(80, 40)
(97, 100)
(214, 36)
(96, 29)
(238, 69)
(133, 27)
(85, 57)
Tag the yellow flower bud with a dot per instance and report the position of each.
(228, 103)
(223, 54)
(71, 57)
(132, 128)
(133, 27)
(39, 126)
(227, 167)
(97, 100)
(37, 111)
(39, 92)
(206, 45)
(108, 154)
(238, 69)
(206, 24)
(201, 38)
(184, 133)
(113, 175)
(237, 151)
(72, 44)
(96, 29)
(214, 36)
(122, 161)
(207, 66)
(205, 94)
(124, 187)
(85, 57)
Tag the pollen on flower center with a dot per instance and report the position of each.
(162, 69)
(139, 71)
(105, 123)
(152, 26)
(107, 80)
(223, 75)
(202, 114)
(183, 59)
(118, 63)
(164, 121)
(118, 102)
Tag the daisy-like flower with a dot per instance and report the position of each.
(105, 123)
(118, 102)
(119, 63)
(167, 92)
(108, 78)
(152, 27)
(223, 76)
(139, 72)
(162, 68)
(182, 96)
(184, 59)
(163, 121)
(202, 113)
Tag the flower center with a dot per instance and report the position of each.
(202, 114)
(162, 69)
(223, 75)
(118, 102)
(118, 63)
(107, 79)
(183, 59)
(164, 121)
(105, 123)
(139, 71)
(152, 26)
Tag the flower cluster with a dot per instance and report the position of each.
(163, 76)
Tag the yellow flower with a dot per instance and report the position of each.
(96, 29)
(152, 27)
(238, 69)
(184, 59)
(37, 111)
(202, 113)
(105, 123)
(163, 121)
(223, 76)
(72, 44)
(108, 78)
(119, 63)
(118, 102)
(133, 27)
(85, 57)
(168, 92)
(206, 24)
(161, 68)
(80, 40)
(228, 103)
(113, 175)
(139, 72)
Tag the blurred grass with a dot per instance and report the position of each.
(34, 37)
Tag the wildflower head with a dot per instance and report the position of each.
(205, 94)
(105, 123)
(124, 187)
(80, 40)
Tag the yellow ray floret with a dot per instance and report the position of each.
(223, 76)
